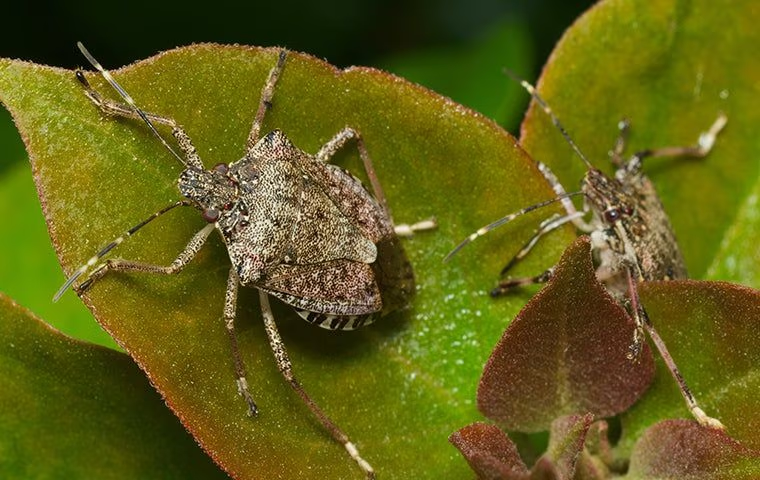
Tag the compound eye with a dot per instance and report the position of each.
(612, 215)
(221, 168)
(211, 215)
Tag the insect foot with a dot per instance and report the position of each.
(295, 227)
(631, 236)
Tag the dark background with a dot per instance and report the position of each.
(342, 31)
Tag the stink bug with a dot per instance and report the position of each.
(631, 237)
(295, 227)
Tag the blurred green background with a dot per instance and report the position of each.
(455, 47)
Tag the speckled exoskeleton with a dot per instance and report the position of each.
(295, 227)
(631, 237)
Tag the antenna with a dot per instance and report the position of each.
(483, 230)
(545, 107)
(105, 250)
(127, 98)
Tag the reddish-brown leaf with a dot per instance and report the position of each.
(564, 353)
(490, 453)
(683, 449)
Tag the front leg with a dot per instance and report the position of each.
(120, 265)
(550, 224)
(131, 110)
(265, 102)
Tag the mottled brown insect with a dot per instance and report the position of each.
(295, 227)
(631, 236)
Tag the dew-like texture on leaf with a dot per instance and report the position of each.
(564, 353)
(670, 67)
(683, 449)
(74, 410)
(398, 387)
(489, 451)
(711, 331)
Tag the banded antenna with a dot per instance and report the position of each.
(127, 98)
(145, 117)
(506, 219)
(105, 250)
(545, 107)
(561, 197)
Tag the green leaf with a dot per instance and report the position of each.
(739, 252)
(30, 271)
(399, 387)
(711, 331)
(670, 66)
(115, 425)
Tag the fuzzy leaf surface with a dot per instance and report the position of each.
(115, 424)
(565, 353)
(489, 451)
(398, 388)
(683, 449)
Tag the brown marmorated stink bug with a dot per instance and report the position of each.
(295, 227)
(631, 237)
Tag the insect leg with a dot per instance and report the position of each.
(551, 223)
(118, 264)
(230, 305)
(115, 243)
(700, 149)
(567, 204)
(329, 149)
(505, 286)
(616, 154)
(545, 227)
(407, 230)
(265, 103)
(110, 107)
(642, 322)
(285, 367)
(131, 110)
(548, 225)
